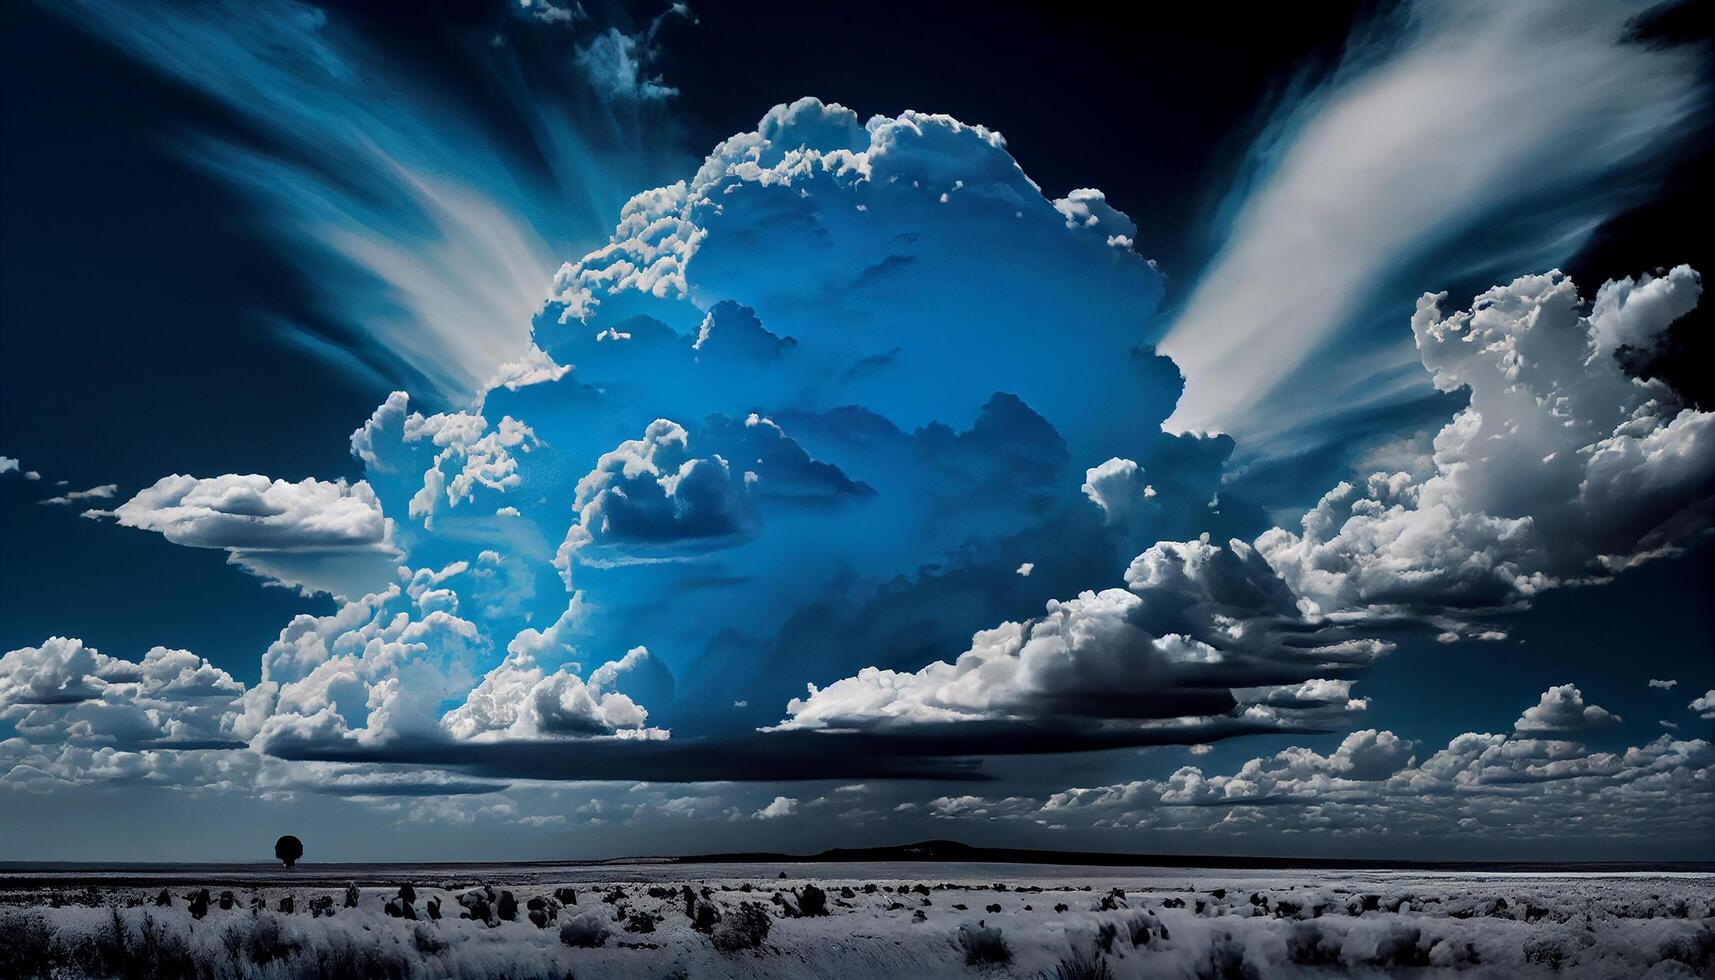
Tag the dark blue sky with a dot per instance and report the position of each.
(912, 408)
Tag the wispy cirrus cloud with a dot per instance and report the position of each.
(431, 236)
(1530, 123)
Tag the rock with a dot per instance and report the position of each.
(226, 901)
(199, 904)
(566, 895)
(1060, 906)
(960, 906)
(321, 905)
(507, 908)
(286, 904)
(846, 892)
(163, 900)
(994, 907)
(919, 916)
(434, 909)
(351, 895)
(407, 894)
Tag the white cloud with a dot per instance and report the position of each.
(1118, 488)
(1189, 641)
(1634, 313)
(1562, 709)
(1666, 685)
(1025, 568)
(82, 716)
(1562, 468)
(8, 465)
(782, 806)
(314, 534)
(1401, 153)
(104, 492)
(518, 700)
(533, 368)
(1704, 705)
(1375, 784)
(458, 454)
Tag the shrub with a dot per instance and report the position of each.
(1081, 964)
(812, 901)
(984, 945)
(746, 927)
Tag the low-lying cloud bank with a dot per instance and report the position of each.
(1377, 783)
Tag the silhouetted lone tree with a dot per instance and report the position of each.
(289, 849)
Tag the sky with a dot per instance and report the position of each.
(529, 430)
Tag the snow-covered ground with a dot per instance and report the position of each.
(881, 920)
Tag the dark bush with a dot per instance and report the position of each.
(812, 901)
(746, 927)
(984, 945)
(1081, 964)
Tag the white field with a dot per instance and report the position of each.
(1170, 923)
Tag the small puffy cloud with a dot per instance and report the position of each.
(535, 367)
(1704, 705)
(1026, 568)
(1562, 709)
(1664, 685)
(1118, 488)
(518, 700)
(8, 465)
(1634, 312)
(104, 492)
(313, 534)
(782, 806)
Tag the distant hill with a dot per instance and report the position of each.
(958, 851)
